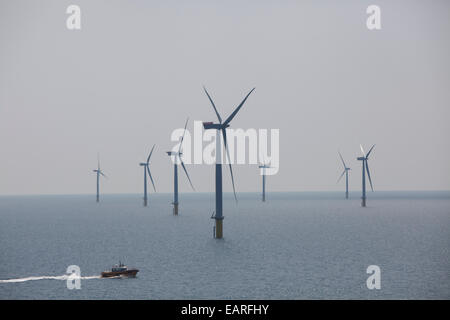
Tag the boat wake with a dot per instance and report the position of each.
(63, 277)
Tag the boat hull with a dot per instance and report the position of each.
(127, 273)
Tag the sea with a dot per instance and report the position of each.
(305, 245)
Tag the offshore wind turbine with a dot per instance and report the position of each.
(99, 172)
(365, 167)
(221, 128)
(346, 170)
(146, 166)
(263, 168)
(176, 159)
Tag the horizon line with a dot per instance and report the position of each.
(208, 192)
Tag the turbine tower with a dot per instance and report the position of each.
(176, 158)
(99, 172)
(365, 166)
(221, 128)
(346, 170)
(146, 166)
(263, 168)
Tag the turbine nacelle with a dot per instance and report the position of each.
(173, 153)
(143, 164)
(217, 126)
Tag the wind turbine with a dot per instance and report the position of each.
(365, 167)
(221, 127)
(263, 168)
(99, 172)
(147, 169)
(346, 170)
(177, 157)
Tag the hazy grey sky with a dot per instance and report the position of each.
(135, 71)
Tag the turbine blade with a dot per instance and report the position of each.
(237, 109)
(184, 168)
(214, 106)
(342, 160)
(224, 132)
(341, 176)
(182, 138)
(150, 154)
(104, 175)
(98, 161)
(151, 178)
(368, 175)
(362, 150)
(367, 155)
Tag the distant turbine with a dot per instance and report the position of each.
(99, 172)
(177, 157)
(147, 169)
(221, 127)
(264, 167)
(365, 167)
(346, 169)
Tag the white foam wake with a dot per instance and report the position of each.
(63, 277)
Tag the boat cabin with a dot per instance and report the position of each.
(119, 267)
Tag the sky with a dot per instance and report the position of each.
(135, 71)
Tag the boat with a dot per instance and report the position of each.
(120, 270)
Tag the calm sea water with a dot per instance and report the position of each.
(295, 246)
